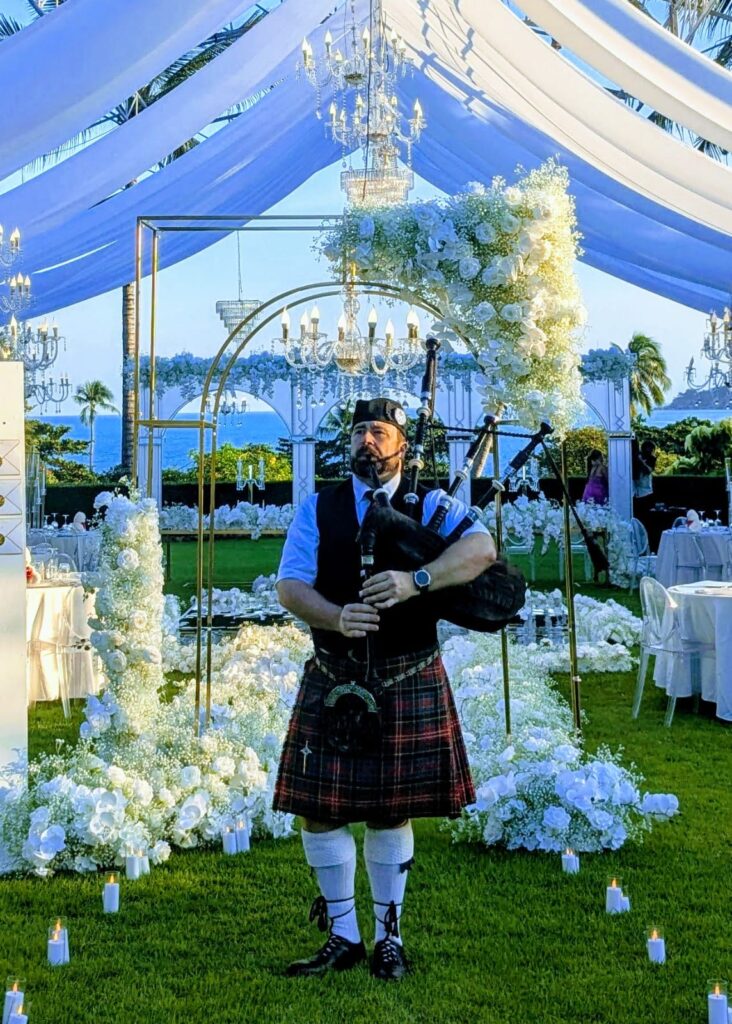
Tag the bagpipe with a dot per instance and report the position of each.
(394, 540)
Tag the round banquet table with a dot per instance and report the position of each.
(705, 615)
(677, 552)
(57, 616)
(83, 547)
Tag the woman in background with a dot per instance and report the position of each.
(596, 486)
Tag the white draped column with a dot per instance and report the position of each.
(611, 402)
(13, 691)
(303, 468)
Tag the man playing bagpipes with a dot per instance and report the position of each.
(374, 735)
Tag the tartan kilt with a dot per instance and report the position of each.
(419, 770)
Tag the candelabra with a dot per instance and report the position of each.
(231, 409)
(47, 391)
(351, 351)
(250, 481)
(10, 249)
(717, 348)
(18, 296)
(37, 348)
(364, 112)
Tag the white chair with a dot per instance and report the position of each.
(661, 634)
(577, 546)
(642, 562)
(514, 544)
(695, 563)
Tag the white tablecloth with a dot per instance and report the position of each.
(678, 549)
(57, 617)
(82, 547)
(705, 613)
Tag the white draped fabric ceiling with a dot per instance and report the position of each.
(652, 210)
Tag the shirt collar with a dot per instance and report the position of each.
(360, 488)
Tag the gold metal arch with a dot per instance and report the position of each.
(296, 296)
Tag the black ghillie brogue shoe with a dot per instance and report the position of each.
(389, 960)
(338, 954)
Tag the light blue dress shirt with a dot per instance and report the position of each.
(300, 553)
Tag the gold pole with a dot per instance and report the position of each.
(136, 378)
(498, 502)
(153, 311)
(199, 570)
(210, 562)
(574, 676)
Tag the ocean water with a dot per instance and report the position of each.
(267, 428)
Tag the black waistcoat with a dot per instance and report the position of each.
(403, 629)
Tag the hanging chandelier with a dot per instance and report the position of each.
(10, 247)
(717, 349)
(18, 284)
(351, 351)
(364, 112)
(233, 311)
(37, 348)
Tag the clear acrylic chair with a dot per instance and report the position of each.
(641, 561)
(661, 634)
(693, 563)
(514, 544)
(46, 653)
(577, 546)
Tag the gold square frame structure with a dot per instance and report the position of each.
(148, 232)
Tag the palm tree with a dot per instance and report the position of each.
(162, 84)
(92, 396)
(648, 379)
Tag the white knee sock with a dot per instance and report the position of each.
(332, 855)
(386, 852)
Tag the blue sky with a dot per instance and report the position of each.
(271, 263)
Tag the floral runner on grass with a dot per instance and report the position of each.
(138, 778)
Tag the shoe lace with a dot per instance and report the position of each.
(319, 911)
(389, 951)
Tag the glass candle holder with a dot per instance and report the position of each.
(717, 987)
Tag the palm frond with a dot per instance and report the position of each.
(9, 26)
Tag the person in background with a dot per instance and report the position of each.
(596, 486)
(644, 463)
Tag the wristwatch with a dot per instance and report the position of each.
(422, 580)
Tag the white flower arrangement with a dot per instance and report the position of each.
(242, 516)
(261, 602)
(139, 778)
(541, 791)
(498, 262)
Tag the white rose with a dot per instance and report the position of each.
(166, 797)
(128, 560)
(103, 499)
(116, 775)
(513, 196)
(485, 233)
(512, 312)
(190, 776)
(116, 661)
(468, 267)
(159, 853)
(509, 223)
(225, 766)
(483, 312)
(142, 792)
(138, 619)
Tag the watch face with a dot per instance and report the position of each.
(422, 578)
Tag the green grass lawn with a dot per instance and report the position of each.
(495, 937)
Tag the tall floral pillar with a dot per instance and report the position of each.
(302, 432)
(13, 691)
(610, 400)
(458, 407)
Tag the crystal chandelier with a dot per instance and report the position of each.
(717, 349)
(37, 348)
(10, 248)
(233, 311)
(18, 285)
(364, 112)
(351, 351)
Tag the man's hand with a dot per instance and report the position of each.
(388, 588)
(358, 619)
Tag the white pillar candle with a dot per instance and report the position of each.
(613, 897)
(110, 896)
(242, 837)
(570, 863)
(144, 863)
(13, 999)
(717, 1008)
(624, 903)
(251, 471)
(229, 840)
(17, 1016)
(656, 947)
(133, 868)
(56, 950)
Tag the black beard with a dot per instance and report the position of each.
(365, 462)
